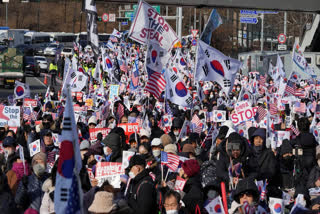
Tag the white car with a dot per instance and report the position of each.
(67, 52)
(42, 62)
(51, 50)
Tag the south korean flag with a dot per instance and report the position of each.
(219, 116)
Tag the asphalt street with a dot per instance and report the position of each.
(36, 86)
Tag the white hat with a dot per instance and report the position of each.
(93, 120)
(171, 148)
(144, 132)
(156, 142)
(102, 203)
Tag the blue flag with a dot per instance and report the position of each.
(213, 23)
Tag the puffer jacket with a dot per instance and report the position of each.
(47, 204)
(31, 194)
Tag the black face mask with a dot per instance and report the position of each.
(46, 125)
(288, 162)
(258, 149)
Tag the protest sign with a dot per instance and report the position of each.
(149, 26)
(78, 95)
(9, 115)
(109, 171)
(219, 116)
(246, 114)
(179, 185)
(114, 91)
(282, 135)
(27, 102)
(126, 155)
(90, 174)
(129, 129)
(94, 132)
(34, 147)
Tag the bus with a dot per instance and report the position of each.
(33, 38)
(65, 39)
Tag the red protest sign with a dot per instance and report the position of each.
(27, 102)
(129, 129)
(94, 132)
(180, 182)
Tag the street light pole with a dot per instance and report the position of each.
(7, 14)
(262, 39)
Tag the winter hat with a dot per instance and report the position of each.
(112, 141)
(177, 123)
(285, 147)
(171, 148)
(246, 185)
(145, 133)
(96, 149)
(136, 160)
(102, 203)
(39, 156)
(93, 120)
(223, 132)
(84, 145)
(9, 142)
(318, 152)
(191, 167)
(251, 130)
(188, 148)
(166, 139)
(156, 142)
(234, 138)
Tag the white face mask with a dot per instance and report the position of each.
(51, 93)
(105, 151)
(172, 211)
(176, 133)
(156, 153)
(132, 175)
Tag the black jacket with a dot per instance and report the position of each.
(142, 194)
(313, 177)
(194, 196)
(308, 143)
(247, 159)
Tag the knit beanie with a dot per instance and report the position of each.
(191, 167)
(39, 156)
(165, 140)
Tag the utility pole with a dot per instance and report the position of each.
(262, 22)
(180, 23)
(7, 14)
(195, 18)
(38, 15)
(285, 23)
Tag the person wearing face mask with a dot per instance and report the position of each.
(29, 193)
(286, 161)
(9, 147)
(172, 203)
(50, 149)
(314, 176)
(175, 129)
(47, 124)
(193, 198)
(267, 163)
(112, 148)
(141, 190)
(156, 148)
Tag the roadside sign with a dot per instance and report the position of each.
(194, 33)
(244, 35)
(105, 17)
(249, 20)
(282, 38)
(124, 23)
(129, 14)
(282, 47)
(194, 42)
(248, 12)
(112, 17)
(156, 7)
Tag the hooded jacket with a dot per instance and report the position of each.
(113, 142)
(193, 199)
(247, 159)
(267, 163)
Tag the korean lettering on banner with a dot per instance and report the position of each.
(179, 185)
(243, 114)
(129, 128)
(282, 135)
(9, 115)
(27, 102)
(78, 95)
(109, 171)
(114, 91)
(94, 132)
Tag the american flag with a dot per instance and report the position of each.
(171, 160)
(74, 204)
(273, 108)
(300, 107)
(290, 87)
(299, 93)
(168, 109)
(261, 113)
(156, 83)
(295, 130)
(263, 191)
(113, 39)
(120, 111)
(135, 76)
(262, 80)
(196, 124)
(27, 114)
